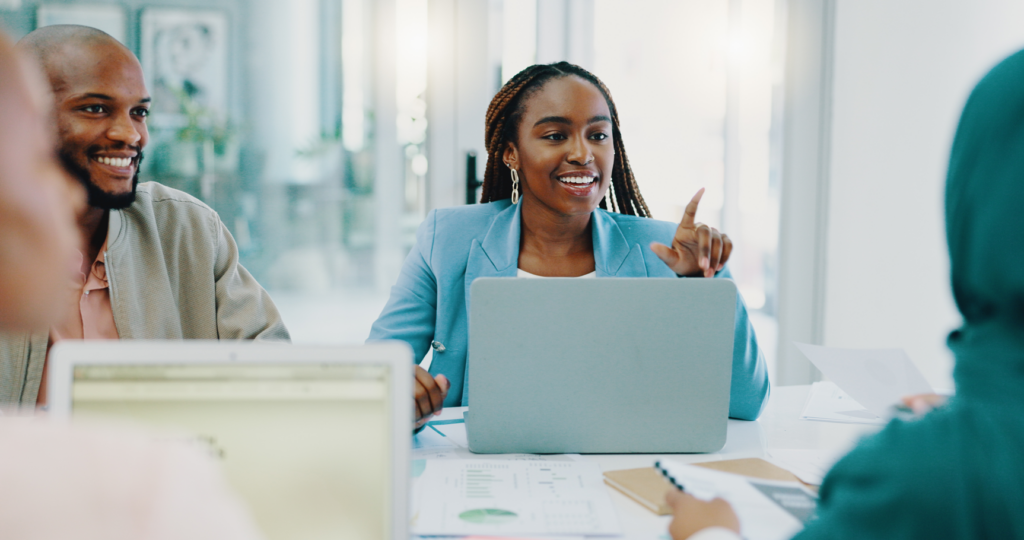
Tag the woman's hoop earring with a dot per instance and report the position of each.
(515, 185)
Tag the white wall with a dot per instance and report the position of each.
(902, 72)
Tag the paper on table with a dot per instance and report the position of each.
(827, 403)
(876, 378)
(497, 538)
(428, 438)
(454, 430)
(446, 439)
(508, 497)
(810, 466)
(758, 503)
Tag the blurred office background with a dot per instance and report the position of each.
(323, 131)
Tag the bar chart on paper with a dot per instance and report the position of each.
(503, 497)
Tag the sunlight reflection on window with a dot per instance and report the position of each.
(697, 89)
(519, 37)
(411, 90)
(354, 74)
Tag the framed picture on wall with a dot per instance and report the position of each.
(110, 19)
(184, 53)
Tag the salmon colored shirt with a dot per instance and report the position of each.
(88, 313)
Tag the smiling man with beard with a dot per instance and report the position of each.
(156, 263)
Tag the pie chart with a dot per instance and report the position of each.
(488, 516)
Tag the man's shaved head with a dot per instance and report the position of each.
(101, 105)
(53, 47)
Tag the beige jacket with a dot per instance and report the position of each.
(174, 273)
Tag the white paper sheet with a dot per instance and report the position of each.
(808, 465)
(760, 517)
(511, 497)
(447, 440)
(826, 402)
(496, 538)
(875, 378)
(455, 432)
(429, 438)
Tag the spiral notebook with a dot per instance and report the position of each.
(767, 509)
(647, 486)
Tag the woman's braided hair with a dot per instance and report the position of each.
(502, 126)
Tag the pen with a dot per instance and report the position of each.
(664, 472)
(903, 412)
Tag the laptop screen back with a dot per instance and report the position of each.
(306, 445)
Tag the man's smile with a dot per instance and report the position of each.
(115, 161)
(118, 164)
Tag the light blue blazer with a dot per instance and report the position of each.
(454, 246)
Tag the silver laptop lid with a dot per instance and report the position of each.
(315, 439)
(607, 365)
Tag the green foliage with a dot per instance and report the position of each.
(204, 125)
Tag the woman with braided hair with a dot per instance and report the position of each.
(560, 200)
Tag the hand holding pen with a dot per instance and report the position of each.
(691, 515)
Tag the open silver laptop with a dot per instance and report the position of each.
(607, 365)
(315, 439)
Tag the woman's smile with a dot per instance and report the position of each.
(579, 184)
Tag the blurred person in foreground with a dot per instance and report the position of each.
(37, 233)
(78, 482)
(957, 471)
(156, 263)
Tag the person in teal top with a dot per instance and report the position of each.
(559, 200)
(957, 472)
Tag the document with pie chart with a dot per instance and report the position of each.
(511, 497)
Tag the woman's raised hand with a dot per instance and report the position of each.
(697, 248)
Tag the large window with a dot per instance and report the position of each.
(322, 131)
(696, 84)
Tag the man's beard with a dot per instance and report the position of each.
(97, 198)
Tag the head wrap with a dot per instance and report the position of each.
(985, 231)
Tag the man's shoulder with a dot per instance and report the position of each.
(167, 213)
(163, 198)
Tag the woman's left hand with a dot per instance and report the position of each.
(697, 248)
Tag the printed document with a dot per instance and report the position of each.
(876, 378)
(511, 497)
(826, 402)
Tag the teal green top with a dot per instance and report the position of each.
(958, 472)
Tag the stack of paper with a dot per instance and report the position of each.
(827, 403)
(876, 379)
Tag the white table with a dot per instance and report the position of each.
(779, 427)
